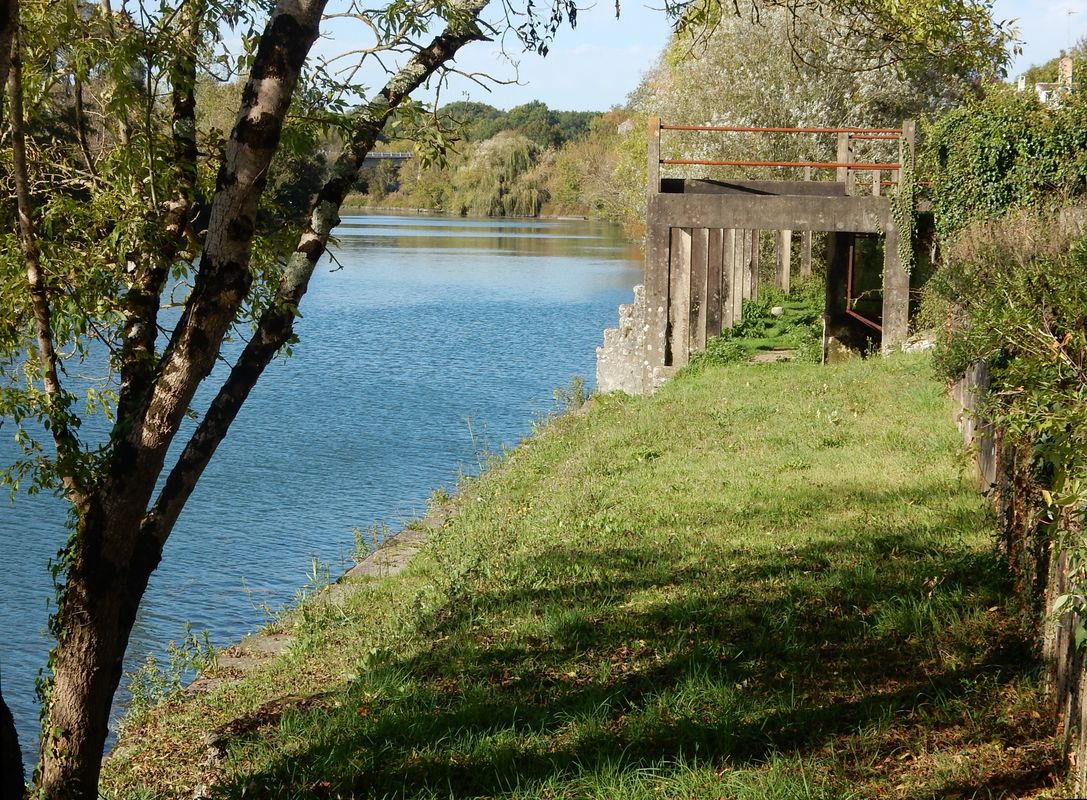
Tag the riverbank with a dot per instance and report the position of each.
(767, 580)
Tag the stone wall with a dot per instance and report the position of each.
(622, 363)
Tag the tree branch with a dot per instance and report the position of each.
(142, 437)
(9, 21)
(276, 323)
(67, 445)
(143, 299)
(80, 115)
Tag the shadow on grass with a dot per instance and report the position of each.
(630, 658)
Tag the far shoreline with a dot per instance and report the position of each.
(348, 210)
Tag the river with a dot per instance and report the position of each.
(431, 341)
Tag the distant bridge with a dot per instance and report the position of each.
(375, 156)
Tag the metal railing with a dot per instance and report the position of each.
(846, 165)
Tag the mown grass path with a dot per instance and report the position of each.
(765, 581)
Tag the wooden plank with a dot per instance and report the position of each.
(805, 254)
(679, 297)
(699, 248)
(728, 277)
(742, 242)
(753, 264)
(864, 214)
(785, 259)
(714, 262)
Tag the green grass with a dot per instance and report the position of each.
(766, 581)
(797, 328)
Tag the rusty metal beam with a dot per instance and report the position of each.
(853, 165)
(745, 129)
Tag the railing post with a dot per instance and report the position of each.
(805, 241)
(845, 156)
(653, 173)
(907, 143)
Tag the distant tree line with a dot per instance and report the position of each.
(476, 122)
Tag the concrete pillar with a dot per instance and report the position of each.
(896, 295)
(679, 297)
(653, 172)
(896, 280)
(656, 294)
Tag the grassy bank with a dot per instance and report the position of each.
(765, 581)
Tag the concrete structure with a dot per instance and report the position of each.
(702, 252)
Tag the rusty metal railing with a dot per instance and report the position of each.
(846, 165)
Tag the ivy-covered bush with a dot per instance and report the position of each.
(1005, 151)
(1008, 180)
(1020, 305)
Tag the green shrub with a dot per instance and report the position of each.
(1004, 151)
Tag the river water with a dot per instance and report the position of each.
(433, 340)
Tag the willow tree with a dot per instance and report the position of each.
(114, 199)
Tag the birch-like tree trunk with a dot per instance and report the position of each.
(111, 559)
(120, 532)
(11, 759)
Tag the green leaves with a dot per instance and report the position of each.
(1004, 151)
(949, 37)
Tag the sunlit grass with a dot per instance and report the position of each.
(765, 581)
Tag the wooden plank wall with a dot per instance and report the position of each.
(711, 271)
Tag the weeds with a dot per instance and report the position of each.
(565, 400)
(369, 541)
(798, 328)
(156, 681)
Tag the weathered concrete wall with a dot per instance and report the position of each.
(624, 363)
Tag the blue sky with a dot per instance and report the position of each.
(596, 65)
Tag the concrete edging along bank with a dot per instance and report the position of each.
(390, 557)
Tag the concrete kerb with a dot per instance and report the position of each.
(390, 557)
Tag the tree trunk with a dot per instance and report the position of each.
(11, 758)
(104, 591)
(111, 557)
(118, 542)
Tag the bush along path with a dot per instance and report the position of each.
(767, 580)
